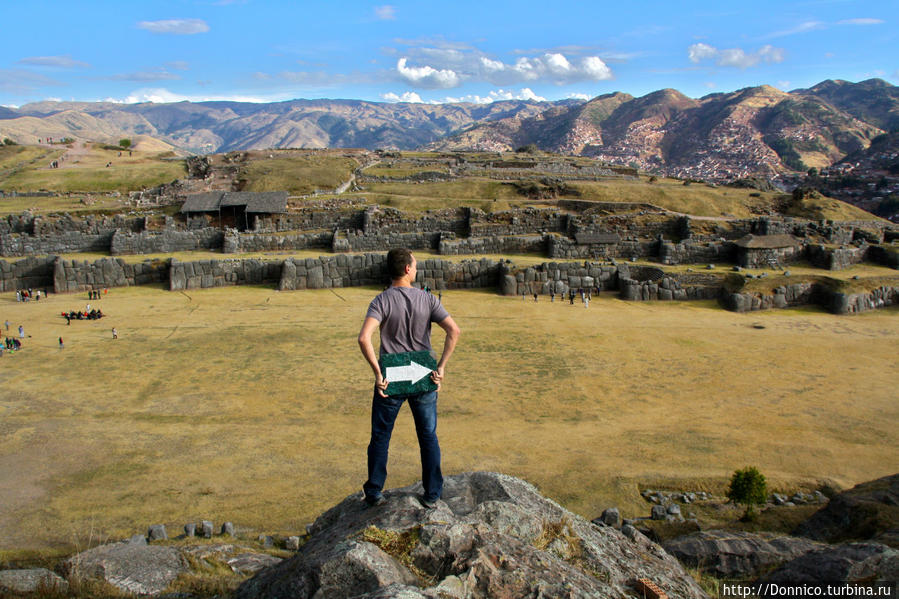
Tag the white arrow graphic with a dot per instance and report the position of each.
(414, 372)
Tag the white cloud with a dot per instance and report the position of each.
(710, 84)
(700, 51)
(734, 57)
(861, 22)
(804, 27)
(178, 65)
(385, 13)
(449, 64)
(405, 97)
(576, 96)
(428, 77)
(164, 96)
(498, 95)
(175, 26)
(784, 85)
(62, 62)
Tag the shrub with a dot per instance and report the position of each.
(8, 142)
(125, 143)
(748, 487)
(528, 149)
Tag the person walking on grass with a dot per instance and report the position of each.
(404, 315)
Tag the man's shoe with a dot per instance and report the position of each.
(375, 501)
(428, 503)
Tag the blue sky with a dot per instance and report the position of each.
(254, 50)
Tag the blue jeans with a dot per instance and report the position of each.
(384, 411)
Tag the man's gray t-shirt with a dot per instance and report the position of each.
(406, 314)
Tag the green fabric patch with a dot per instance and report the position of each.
(408, 372)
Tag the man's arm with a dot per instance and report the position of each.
(449, 344)
(368, 351)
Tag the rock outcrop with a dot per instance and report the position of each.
(491, 535)
(134, 567)
(850, 562)
(735, 554)
(869, 511)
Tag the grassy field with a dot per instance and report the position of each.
(298, 175)
(78, 205)
(88, 171)
(252, 405)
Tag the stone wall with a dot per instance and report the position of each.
(65, 243)
(80, 275)
(842, 303)
(383, 220)
(29, 273)
(166, 241)
(812, 293)
(311, 220)
(516, 244)
(759, 258)
(203, 274)
(556, 277)
(359, 242)
(835, 258)
(235, 243)
(565, 248)
(518, 222)
(370, 269)
(888, 255)
(687, 252)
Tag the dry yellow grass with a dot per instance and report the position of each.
(250, 405)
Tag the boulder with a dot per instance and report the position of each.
(138, 569)
(869, 511)
(31, 581)
(491, 535)
(734, 554)
(850, 562)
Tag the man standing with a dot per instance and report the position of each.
(404, 315)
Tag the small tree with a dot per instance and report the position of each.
(125, 143)
(748, 487)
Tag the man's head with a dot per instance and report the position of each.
(400, 262)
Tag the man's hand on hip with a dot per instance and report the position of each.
(381, 385)
(437, 377)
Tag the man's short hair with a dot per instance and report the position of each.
(397, 261)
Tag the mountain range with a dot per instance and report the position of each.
(757, 131)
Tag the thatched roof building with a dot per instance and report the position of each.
(234, 207)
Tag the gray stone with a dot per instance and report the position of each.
(483, 532)
(611, 517)
(851, 562)
(250, 563)
(674, 509)
(867, 511)
(292, 543)
(190, 529)
(658, 512)
(736, 554)
(142, 570)
(138, 540)
(228, 529)
(206, 529)
(31, 580)
(157, 533)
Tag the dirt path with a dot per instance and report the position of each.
(73, 155)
